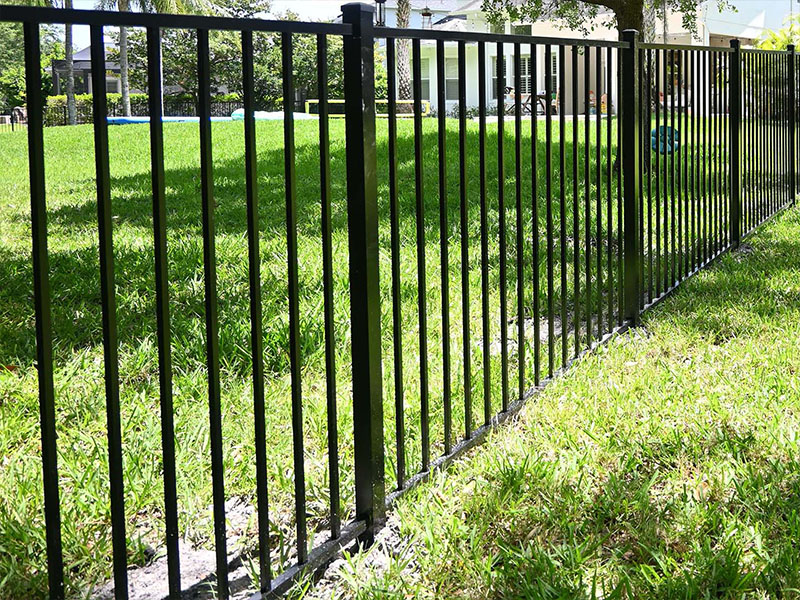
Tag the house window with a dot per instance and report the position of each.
(112, 85)
(553, 71)
(526, 85)
(451, 78)
(494, 75)
(425, 77)
(525, 75)
(521, 29)
(497, 27)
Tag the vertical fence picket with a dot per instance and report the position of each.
(486, 340)
(548, 168)
(444, 243)
(791, 86)
(41, 301)
(520, 245)
(464, 212)
(576, 244)
(501, 211)
(256, 328)
(328, 286)
(211, 310)
(422, 290)
(537, 340)
(162, 308)
(394, 224)
(587, 191)
(562, 198)
(108, 299)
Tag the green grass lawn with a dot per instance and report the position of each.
(664, 465)
(80, 402)
(74, 274)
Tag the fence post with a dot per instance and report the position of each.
(362, 218)
(631, 140)
(736, 149)
(791, 76)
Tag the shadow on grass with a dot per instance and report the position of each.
(704, 509)
(74, 262)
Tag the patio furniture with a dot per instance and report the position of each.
(20, 114)
(510, 102)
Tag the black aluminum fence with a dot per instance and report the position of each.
(56, 115)
(10, 123)
(507, 247)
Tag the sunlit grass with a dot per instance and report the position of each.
(74, 276)
(664, 465)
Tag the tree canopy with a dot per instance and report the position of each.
(585, 15)
(179, 51)
(782, 38)
(12, 63)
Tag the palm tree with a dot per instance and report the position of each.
(70, 91)
(157, 6)
(403, 66)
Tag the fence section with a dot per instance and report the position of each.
(686, 199)
(506, 246)
(275, 570)
(516, 222)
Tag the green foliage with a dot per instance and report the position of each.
(782, 38)
(240, 9)
(12, 63)
(584, 15)
(180, 64)
(85, 100)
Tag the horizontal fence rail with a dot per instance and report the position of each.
(487, 248)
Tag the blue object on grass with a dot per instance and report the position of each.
(133, 120)
(665, 139)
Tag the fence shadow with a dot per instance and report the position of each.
(74, 272)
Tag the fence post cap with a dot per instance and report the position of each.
(630, 35)
(736, 43)
(790, 48)
(361, 16)
(357, 7)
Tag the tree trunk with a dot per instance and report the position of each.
(123, 71)
(630, 15)
(403, 47)
(123, 64)
(72, 118)
(649, 24)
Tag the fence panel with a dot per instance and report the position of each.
(512, 264)
(277, 568)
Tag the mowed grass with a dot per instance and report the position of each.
(79, 369)
(76, 309)
(664, 465)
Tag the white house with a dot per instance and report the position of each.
(439, 9)
(470, 17)
(714, 28)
